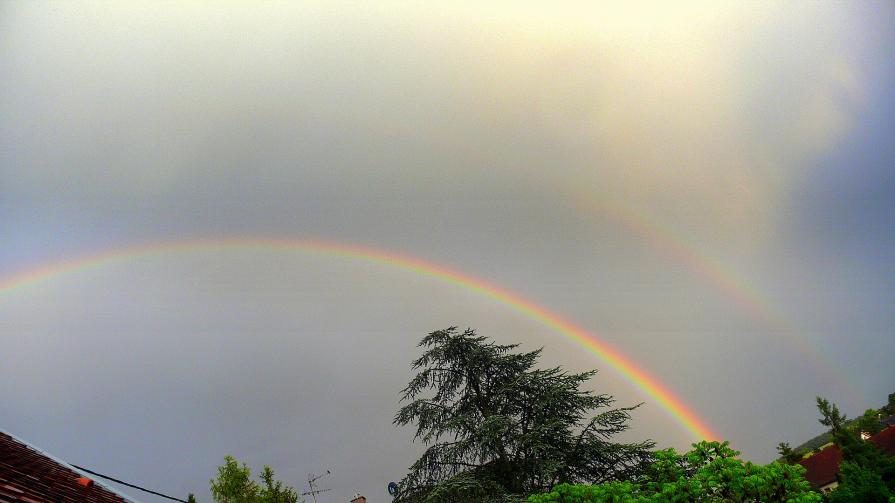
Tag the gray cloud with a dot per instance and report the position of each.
(541, 149)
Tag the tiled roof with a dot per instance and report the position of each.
(823, 466)
(30, 475)
(885, 440)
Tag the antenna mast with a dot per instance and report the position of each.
(312, 480)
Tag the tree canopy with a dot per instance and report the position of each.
(497, 428)
(710, 473)
(234, 484)
(866, 472)
(787, 453)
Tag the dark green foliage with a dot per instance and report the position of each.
(868, 423)
(710, 473)
(191, 498)
(234, 484)
(788, 455)
(825, 438)
(842, 433)
(498, 429)
(867, 473)
(858, 483)
(830, 416)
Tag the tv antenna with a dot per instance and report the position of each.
(312, 480)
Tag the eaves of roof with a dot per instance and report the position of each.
(32, 475)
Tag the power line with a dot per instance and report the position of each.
(113, 479)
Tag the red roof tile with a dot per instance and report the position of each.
(885, 440)
(823, 466)
(29, 475)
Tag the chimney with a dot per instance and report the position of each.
(358, 499)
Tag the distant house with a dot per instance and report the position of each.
(28, 474)
(822, 468)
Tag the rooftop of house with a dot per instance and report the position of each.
(29, 474)
(885, 440)
(821, 468)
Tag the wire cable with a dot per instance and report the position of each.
(113, 479)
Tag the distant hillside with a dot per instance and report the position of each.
(818, 441)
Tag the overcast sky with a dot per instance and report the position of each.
(710, 188)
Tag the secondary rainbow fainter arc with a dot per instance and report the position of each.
(736, 289)
(642, 380)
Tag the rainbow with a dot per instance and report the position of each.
(736, 290)
(648, 384)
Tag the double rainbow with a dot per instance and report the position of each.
(648, 384)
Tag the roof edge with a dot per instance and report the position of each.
(91, 476)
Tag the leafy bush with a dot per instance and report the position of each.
(711, 472)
